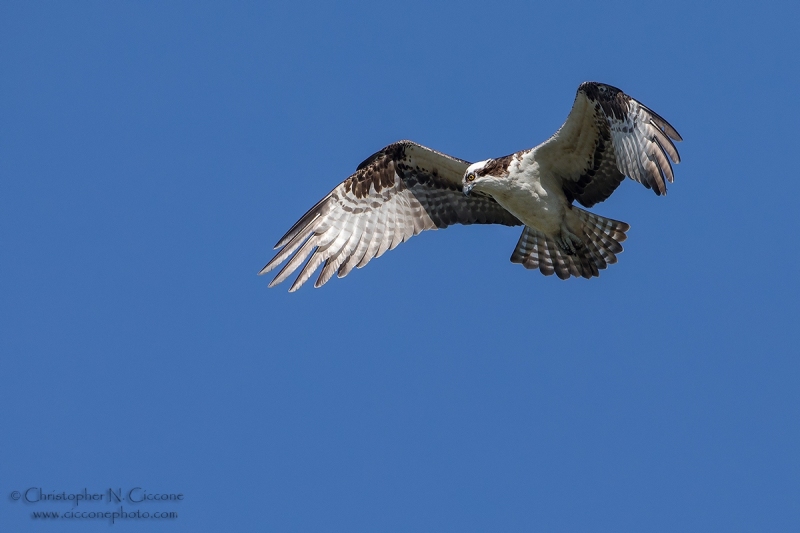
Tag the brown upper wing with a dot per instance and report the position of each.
(608, 135)
(394, 194)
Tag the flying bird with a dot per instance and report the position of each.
(407, 188)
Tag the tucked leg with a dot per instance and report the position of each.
(568, 241)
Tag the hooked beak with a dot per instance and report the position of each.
(468, 188)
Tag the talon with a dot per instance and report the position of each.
(569, 242)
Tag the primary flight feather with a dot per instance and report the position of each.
(406, 188)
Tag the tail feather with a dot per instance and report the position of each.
(545, 259)
(601, 242)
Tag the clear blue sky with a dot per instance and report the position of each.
(152, 153)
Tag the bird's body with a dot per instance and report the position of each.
(407, 188)
(534, 197)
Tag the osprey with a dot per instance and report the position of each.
(406, 188)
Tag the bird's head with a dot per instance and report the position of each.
(480, 176)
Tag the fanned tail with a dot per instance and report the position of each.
(601, 244)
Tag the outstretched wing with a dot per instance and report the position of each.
(394, 194)
(608, 135)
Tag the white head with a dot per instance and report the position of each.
(485, 176)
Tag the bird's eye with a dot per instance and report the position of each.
(470, 177)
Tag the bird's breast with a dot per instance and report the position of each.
(531, 202)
